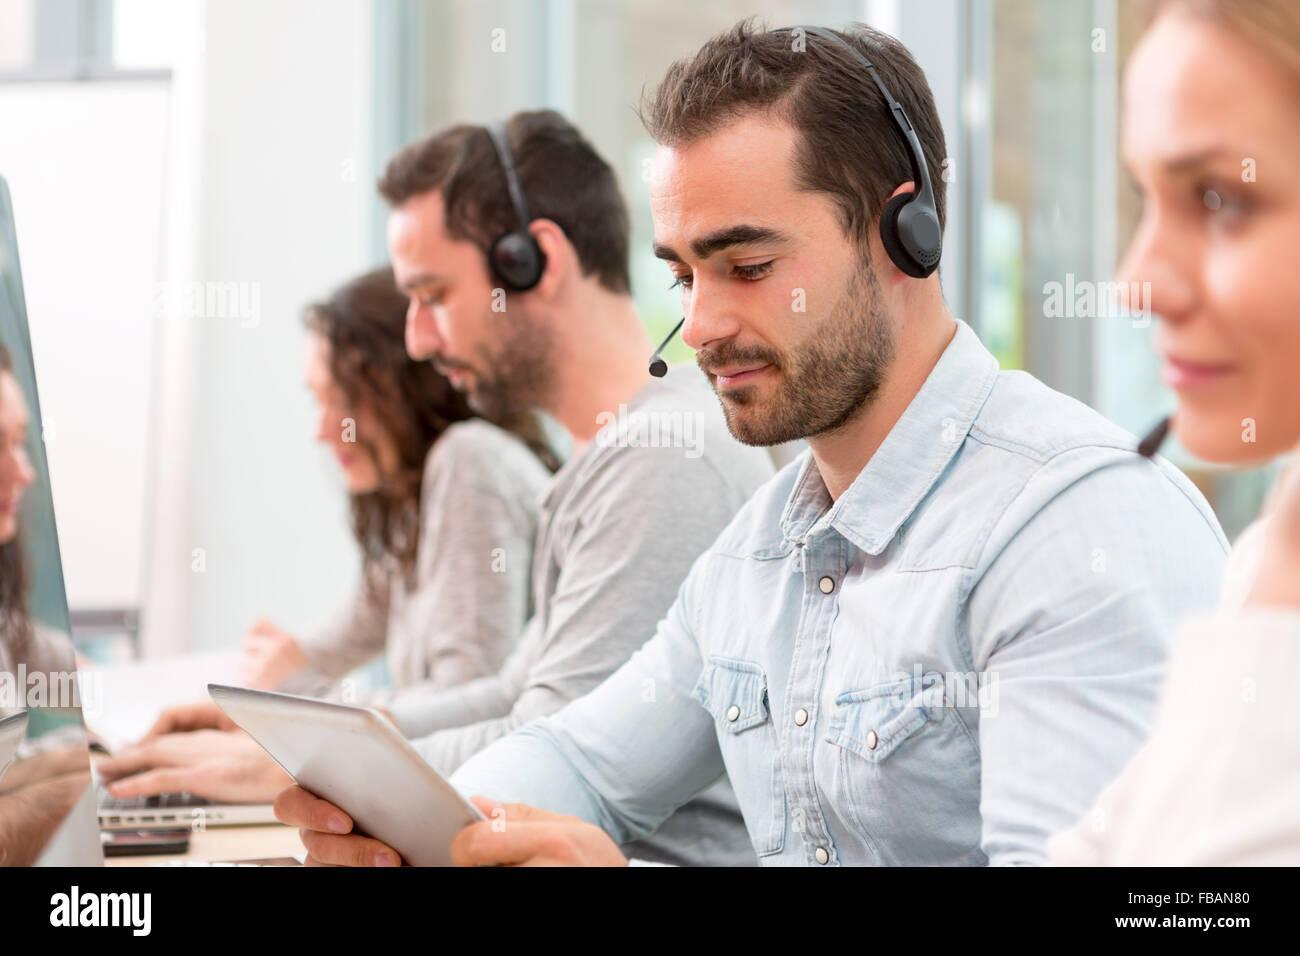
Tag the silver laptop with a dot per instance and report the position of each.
(169, 810)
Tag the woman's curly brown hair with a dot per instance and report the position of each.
(364, 323)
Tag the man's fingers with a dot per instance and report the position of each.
(490, 844)
(260, 628)
(169, 721)
(298, 808)
(487, 806)
(495, 810)
(133, 759)
(349, 850)
(162, 725)
(184, 717)
(151, 782)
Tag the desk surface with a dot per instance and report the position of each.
(226, 845)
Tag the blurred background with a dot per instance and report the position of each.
(187, 175)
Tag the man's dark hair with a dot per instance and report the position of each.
(562, 176)
(849, 145)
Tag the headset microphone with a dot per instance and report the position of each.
(658, 367)
(1151, 443)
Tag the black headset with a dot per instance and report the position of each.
(515, 258)
(909, 224)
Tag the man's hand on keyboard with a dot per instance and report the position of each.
(200, 715)
(219, 765)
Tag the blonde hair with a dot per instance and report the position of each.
(1272, 26)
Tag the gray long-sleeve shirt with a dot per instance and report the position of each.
(619, 528)
(470, 595)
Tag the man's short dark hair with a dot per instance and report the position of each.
(562, 176)
(848, 146)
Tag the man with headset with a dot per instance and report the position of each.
(933, 638)
(512, 243)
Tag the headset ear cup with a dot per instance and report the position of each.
(890, 239)
(517, 260)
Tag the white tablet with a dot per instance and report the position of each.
(358, 761)
(13, 731)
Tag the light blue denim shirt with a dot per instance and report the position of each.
(942, 667)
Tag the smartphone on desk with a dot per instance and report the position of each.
(145, 842)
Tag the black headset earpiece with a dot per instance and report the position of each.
(515, 258)
(910, 234)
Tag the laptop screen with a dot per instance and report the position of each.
(47, 806)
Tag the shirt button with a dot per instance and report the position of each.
(800, 717)
(733, 713)
(827, 584)
(821, 855)
(872, 740)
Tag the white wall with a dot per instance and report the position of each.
(84, 164)
(271, 188)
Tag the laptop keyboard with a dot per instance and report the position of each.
(165, 801)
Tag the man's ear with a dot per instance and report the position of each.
(889, 270)
(907, 187)
(560, 257)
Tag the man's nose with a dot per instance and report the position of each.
(709, 315)
(422, 340)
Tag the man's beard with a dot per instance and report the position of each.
(823, 386)
(516, 375)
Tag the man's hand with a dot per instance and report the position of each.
(200, 715)
(270, 656)
(518, 835)
(1277, 582)
(326, 832)
(513, 835)
(218, 765)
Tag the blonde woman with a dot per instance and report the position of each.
(1211, 134)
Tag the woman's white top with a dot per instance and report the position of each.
(470, 596)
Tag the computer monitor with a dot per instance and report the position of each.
(47, 801)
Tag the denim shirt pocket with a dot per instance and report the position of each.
(874, 723)
(909, 768)
(735, 693)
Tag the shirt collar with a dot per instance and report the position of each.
(909, 461)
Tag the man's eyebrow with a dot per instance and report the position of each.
(417, 280)
(1201, 157)
(706, 246)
